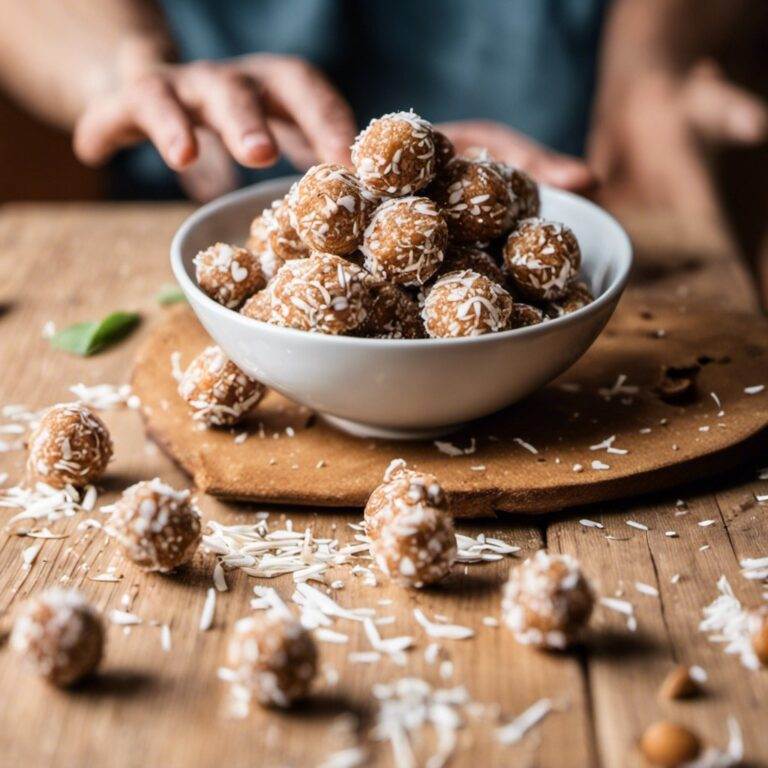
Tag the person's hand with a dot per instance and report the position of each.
(507, 145)
(651, 143)
(255, 106)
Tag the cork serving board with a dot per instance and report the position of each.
(533, 457)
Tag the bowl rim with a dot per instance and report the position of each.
(623, 257)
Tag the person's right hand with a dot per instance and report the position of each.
(257, 105)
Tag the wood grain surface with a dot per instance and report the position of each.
(149, 707)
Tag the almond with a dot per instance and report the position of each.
(759, 632)
(678, 684)
(669, 745)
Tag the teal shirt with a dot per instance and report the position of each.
(527, 63)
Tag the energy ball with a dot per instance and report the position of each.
(475, 199)
(217, 391)
(465, 304)
(329, 209)
(524, 315)
(525, 192)
(416, 546)
(258, 243)
(577, 295)
(283, 239)
(405, 241)
(323, 293)
(274, 659)
(157, 526)
(395, 155)
(444, 150)
(547, 601)
(402, 490)
(228, 274)
(542, 258)
(259, 306)
(461, 257)
(392, 314)
(60, 636)
(70, 446)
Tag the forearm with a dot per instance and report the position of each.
(56, 56)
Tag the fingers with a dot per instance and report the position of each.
(295, 89)
(229, 102)
(149, 109)
(293, 143)
(562, 171)
(721, 111)
(214, 173)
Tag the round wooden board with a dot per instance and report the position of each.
(665, 444)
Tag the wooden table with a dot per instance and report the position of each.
(153, 708)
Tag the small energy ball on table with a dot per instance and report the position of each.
(60, 636)
(274, 659)
(323, 293)
(228, 274)
(444, 150)
(259, 245)
(547, 601)
(402, 490)
(395, 155)
(577, 295)
(157, 526)
(283, 238)
(259, 306)
(329, 209)
(542, 258)
(461, 257)
(524, 315)
(465, 304)
(392, 314)
(405, 241)
(217, 391)
(70, 446)
(475, 199)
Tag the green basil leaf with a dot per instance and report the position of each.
(90, 337)
(169, 293)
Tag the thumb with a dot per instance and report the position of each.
(722, 111)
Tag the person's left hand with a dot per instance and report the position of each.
(509, 146)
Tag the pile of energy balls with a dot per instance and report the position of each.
(415, 243)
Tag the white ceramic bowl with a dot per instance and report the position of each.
(400, 388)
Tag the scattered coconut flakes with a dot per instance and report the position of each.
(607, 445)
(490, 621)
(446, 669)
(449, 449)
(646, 589)
(513, 732)
(352, 757)
(706, 523)
(729, 621)
(176, 370)
(219, 580)
(619, 387)
(108, 577)
(44, 533)
(442, 631)
(29, 555)
(762, 474)
(209, 609)
(165, 637)
(482, 549)
(369, 577)
(123, 618)
(600, 465)
(621, 606)
(671, 534)
(638, 526)
(675, 578)
(568, 386)
(240, 438)
(578, 468)
(43, 502)
(364, 657)
(754, 390)
(704, 548)
(478, 468)
(523, 444)
(733, 755)
(590, 523)
(48, 331)
(698, 674)
(331, 636)
(754, 568)
(103, 397)
(760, 497)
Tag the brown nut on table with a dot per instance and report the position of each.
(678, 684)
(669, 745)
(758, 630)
(677, 385)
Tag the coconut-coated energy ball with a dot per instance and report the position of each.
(405, 241)
(60, 636)
(157, 526)
(228, 274)
(402, 490)
(444, 150)
(395, 155)
(323, 293)
(283, 238)
(577, 295)
(523, 315)
(525, 193)
(416, 546)
(69, 446)
(392, 313)
(461, 257)
(329, 209)
(274, 659)
(542, 258)
(475, 199)
(465, 304)
(259, 306)
(217, 391)
(258, 243)
(547, 601)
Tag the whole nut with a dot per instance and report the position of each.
(759, 633)
(669, 745)
(678, 684)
